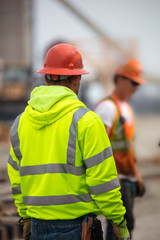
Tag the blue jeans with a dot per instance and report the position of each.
(56, 229)
(128, 190)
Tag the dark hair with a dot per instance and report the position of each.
(116, 76)
(64, 82)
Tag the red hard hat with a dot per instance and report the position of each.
(132, 70)
(63, 59)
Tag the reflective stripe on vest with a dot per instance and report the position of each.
(15, 139)
(99, 158)
(56, 200)
(121, 144)
(105, 187)
(52, 168)
(72, 136)
(13, 163)
(16, 190)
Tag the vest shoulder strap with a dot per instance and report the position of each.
(121, 118)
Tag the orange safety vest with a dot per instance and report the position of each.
(122, 140)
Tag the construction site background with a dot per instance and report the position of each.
(101, 55)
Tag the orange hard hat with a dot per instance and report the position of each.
(132, 70)
(63, 59)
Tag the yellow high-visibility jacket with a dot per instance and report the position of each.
(61, 164)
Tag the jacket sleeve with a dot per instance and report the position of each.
(101, 173)
(14, 176)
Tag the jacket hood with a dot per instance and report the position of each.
(49, 103)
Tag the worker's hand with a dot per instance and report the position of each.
(140, 188)
(120, 232)
(26, 228)
(140, 185)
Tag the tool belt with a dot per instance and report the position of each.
(91, 228)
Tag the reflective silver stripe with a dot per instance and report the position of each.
(13, 163)
(119, 130)
(56, 200)
(16, 190)
(15, 139)
(51, 168)
(71, 151)
(100, 157)
(105, 187)
(118, 145)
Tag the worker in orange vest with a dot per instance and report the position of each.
(117, 117)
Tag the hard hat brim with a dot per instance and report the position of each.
(62, 71)
(133, 78)
(138, 80)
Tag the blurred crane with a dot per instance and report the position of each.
(110, 51)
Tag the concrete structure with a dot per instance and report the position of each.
(15, 56)
(15, 29)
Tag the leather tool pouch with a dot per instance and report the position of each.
(87, 227)
(91, 228)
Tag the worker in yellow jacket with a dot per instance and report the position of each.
(61, 165)
(117, 117)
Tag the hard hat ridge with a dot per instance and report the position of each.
(63, 59)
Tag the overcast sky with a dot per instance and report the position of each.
(119, 19)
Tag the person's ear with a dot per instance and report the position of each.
(77, 79)
(75, 84)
